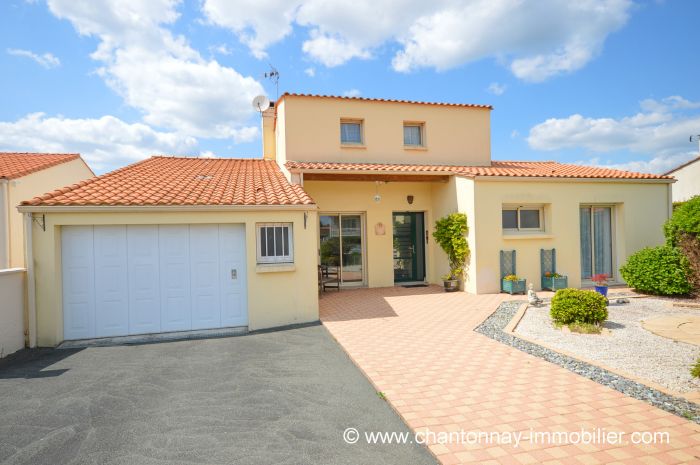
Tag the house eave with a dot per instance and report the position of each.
(564, 179)
(159, 208)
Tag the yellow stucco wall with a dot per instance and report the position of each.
(640, 210)
(309, 130)
(33, 185)
(274, 298)
(357, 197)
(688, 184)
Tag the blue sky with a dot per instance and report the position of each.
(610, 82)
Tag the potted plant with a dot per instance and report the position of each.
(601, 283)
(554, 281)
(451, 234)
(512, 284)
(451, 281)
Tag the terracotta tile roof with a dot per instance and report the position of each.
(367, 99)
(160, 181)
(17, 164)
(548, 169)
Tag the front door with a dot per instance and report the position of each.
(409, 248)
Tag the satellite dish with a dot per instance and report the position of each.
(261, 103)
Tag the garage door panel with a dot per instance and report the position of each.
(77, 262)
(204, 263)
(111, 282)
(176, 308)
(144, 282)
(138, 279)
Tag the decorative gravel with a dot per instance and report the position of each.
(626, 346)
(493, 328)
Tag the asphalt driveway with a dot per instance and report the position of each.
(280, 397)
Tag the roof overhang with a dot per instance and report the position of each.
(372, 175)
(565, 179)
(159, 208)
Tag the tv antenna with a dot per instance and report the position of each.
(696, 138)
(261, 103)
(274, 76)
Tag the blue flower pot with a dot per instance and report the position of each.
(602, 290)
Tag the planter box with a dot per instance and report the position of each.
(451, 285)
(513, 287)
(554, 284)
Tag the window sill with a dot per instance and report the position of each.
(420, 148)
(353, 146)
(528, 236)
(274, 267)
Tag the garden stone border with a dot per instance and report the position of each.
(494, 325)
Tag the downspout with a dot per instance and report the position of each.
(5, 222)
(31, 289)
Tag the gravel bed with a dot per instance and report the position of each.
(627, 346)
(493, 328)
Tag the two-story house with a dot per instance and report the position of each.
(178, 244)
(382, 171)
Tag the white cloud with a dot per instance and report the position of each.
(659, 131)
(496, 88)
(352, 93)
(658, 165)
(105, 143)
(537, 39)
(46, 60)
(311, 72)
(159, 73)
(514, 134)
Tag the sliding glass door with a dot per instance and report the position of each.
(342, 246)
(596, 241)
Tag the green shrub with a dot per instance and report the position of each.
(695, 371)
(577, 306)
(660, 270)
(685, 220)
(451, 234)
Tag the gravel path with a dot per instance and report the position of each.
(627, 346)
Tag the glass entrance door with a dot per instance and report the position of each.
(409, 249)
(596, 241)
(342, 246)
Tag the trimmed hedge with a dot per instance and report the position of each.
(660, 270)
(578, 306)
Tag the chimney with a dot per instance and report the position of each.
(268, 133)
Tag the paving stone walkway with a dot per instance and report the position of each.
(418, 347)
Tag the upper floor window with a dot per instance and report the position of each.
(413, 134)
(351, 132)
(523, 218)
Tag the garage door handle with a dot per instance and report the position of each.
(234, 274)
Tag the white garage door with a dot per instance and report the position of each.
(121, 280)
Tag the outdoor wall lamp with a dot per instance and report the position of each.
(409, 199)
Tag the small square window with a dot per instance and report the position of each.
(351, 132)
(529, 219)
(413, 134)
(510, 219)
(275, 243)
(522, 218)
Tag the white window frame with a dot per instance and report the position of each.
(421, 126)
(273, 259)
(361, 122)
(517, 208)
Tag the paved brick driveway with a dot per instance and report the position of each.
(417, 346)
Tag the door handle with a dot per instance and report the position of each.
(234, 274)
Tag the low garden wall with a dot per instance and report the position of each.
(12, 304)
